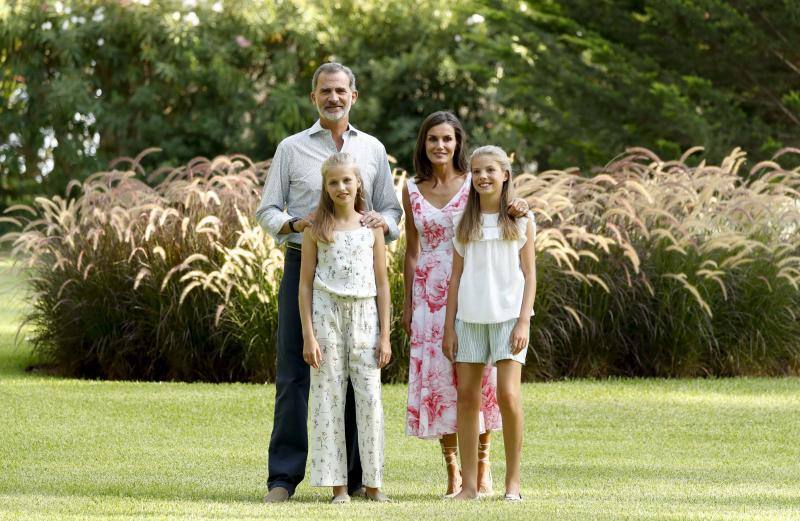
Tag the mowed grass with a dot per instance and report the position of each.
(618, 449)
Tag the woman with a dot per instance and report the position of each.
(431, 200)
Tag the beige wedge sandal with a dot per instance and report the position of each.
(485, 482)
(453, 478)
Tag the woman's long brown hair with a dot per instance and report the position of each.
(322, 227)
(469, 229)
(423, 169)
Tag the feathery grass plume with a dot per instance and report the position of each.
(397, 370)
(662, 268)
(109, 264)
(649, 268)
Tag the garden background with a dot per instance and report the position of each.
(657, 143)
(656, 257)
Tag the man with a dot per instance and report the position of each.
(291, 195)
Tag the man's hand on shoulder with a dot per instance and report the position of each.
(298, 224)
(373, 219)
(305, 222)
(301, 224)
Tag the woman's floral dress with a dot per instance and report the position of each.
(431, 410)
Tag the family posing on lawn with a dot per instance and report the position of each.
(470, 282)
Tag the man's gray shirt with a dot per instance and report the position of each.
(294, 181)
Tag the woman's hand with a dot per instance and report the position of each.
(519, 335)
(450, 343)
(384, 352)
(311, 353)
(518, 208)
(406, 321)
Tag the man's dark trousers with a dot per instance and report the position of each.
(288, 445)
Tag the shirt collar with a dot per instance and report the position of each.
(317, 128)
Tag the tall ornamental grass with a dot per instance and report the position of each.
(172, 282)
(648, 268)
(657, 268)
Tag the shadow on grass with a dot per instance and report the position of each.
(579, 484)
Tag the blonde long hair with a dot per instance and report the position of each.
(469, 229)
(322, 227)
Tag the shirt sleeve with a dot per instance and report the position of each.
(457, 245)
(384, 197)
(522, 222)
(271, 213)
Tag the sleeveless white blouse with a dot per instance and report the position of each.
(345, 266)
(492, 283)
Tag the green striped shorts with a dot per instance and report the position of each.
(484, 343)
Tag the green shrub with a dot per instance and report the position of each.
(83, 82)
(561, 83)
(651, 268)
(112, 271)
(175, 282)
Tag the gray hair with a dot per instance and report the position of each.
(332, 68)
(496, 153)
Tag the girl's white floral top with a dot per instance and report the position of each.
(345, 266)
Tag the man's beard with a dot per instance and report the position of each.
(334, 116)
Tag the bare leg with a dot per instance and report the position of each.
(449, 443)
(469, 403)
(509, 398)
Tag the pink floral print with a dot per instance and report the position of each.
(431, 411)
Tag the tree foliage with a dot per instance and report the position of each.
(576, 82)
(570, 83)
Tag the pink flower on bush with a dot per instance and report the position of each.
(243, 42)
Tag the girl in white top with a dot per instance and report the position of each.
(345, 331)
(489, 308)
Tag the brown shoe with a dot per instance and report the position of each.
(277, 495)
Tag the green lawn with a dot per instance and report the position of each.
(620, 449)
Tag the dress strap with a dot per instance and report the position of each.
(412, 186)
